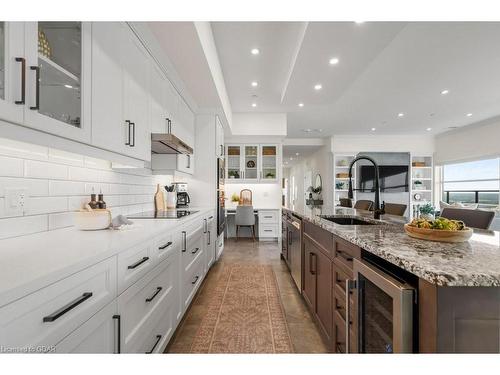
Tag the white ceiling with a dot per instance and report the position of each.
(385, 68)
(290, 156)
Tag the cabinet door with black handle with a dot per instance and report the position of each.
(324, 303)
(309, 282)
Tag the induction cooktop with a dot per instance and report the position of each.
(164, 214)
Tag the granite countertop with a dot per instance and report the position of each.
(472, 263)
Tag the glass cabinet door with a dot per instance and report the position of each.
(251, 162)
(269, 163)
(234, 162)
(60, 71)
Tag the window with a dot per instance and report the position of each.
(472, 182)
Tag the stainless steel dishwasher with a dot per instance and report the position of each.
(295, 249)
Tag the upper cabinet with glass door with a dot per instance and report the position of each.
(12, 72)
(233, 162)
(252, 163)
(58, 58)
(269, 162)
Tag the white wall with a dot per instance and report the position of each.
(259, 124)
(478, 141)
(416, 144)
(263, 195)
(59, 182)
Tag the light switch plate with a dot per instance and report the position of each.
(16, 200)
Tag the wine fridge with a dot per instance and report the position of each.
(386, 309)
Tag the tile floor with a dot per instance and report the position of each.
(303, 332)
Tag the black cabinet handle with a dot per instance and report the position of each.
(158, 338)
(22, 60)
(132, 144)
(211, 217)
(138, 263)
(205, 226)
(169, 243)
(169, 126)
(70, 306)
(290, 239)
(189, 161)
(127, 122)
(184, 242)
(268, 217)
(158, 290)
(118, 324)
(37, 87)
(208, 238)
(195, 250)
(195, 280)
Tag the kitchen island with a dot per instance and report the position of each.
(456, 287)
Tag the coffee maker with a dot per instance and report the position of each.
(182, 194)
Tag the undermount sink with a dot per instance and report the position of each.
(347, 220)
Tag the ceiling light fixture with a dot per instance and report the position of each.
(373, 129)
(68, 86)
(254, 105)
(401, 114)
(429, 129)
(306, 130)
(359, 22)
(469, 114)
(445, 91)
(255, 84)
(291, 158)
(297, 154)
(318, 86)
(301, 104)
(255, 51)
(334, 61)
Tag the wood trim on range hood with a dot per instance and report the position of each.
(165, 143)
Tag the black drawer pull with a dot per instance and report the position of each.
(339, 348)
(184, 242)
(268, 230)
(22, 60)
(158, 290)
(37, 87)
(169, 243)
(195, 250)
(158, 338)
(195, 280)
(268, 217)
(138, 263)
(70, 306)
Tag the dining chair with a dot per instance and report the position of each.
(395, 209)
(472, 218)
(244, 217)
(246, 197)
(363, 204)
(345, 202)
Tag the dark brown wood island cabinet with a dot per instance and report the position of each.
(361, 303)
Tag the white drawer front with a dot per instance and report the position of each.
(96, 335)
(133, 264)
(45, 317)
(140, 302)
(266, 216)
(194, 249)
(268, 230)
(192, 280)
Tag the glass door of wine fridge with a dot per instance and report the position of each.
(385, 307)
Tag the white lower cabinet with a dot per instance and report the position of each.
(100, 334)
(211, 240)
(269, 224)
(47, 316)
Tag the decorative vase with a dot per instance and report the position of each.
(171, 200)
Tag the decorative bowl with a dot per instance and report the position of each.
(439, 234)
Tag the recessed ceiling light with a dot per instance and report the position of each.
(401, 114)
(68, 86)
(291, 158)
(255, 84)
(445, 91)
(255, 51)
(317, 130)
(318, 86)
(359, 22)
(334, 61)
(297, 154)
(306, 130)
(469, 114)
(373, 129)
(301, 104)
(254, 105)
(429, 129)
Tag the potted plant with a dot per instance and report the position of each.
(270, 175)
(235, 198)
(427, 211)
(233, 174)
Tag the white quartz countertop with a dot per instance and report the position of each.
(32, 262)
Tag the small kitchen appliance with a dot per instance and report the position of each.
(183, 199)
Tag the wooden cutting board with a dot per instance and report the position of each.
(439, 235)
(159, 199)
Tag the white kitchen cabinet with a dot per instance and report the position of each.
(219, 138)
(97, 335)
(58, 78)
(120, 91)
(252, 163)
(269, 157)
(183, 125)
(12, 72)
(210, 240)
(159, 100)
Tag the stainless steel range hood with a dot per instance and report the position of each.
(167, 143)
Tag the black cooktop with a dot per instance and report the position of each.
(167, 214)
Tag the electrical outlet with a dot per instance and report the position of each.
(16, 200)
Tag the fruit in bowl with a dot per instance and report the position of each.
(440, 223)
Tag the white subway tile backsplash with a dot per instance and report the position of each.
(66, 188)
(41, 169)
(36, 188)
(11, 166)
(21, 226)
(60, 182)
